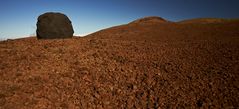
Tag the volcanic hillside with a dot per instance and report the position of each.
(148, 63)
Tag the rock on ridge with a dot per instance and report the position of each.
(52, 25)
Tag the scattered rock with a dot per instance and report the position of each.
(54, 25)
(199, 103)
(2, 99)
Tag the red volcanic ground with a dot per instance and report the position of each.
(148, 63)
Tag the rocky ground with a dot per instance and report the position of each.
(139, 65)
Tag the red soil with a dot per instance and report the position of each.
(141, 65)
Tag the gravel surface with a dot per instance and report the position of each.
(150, 65)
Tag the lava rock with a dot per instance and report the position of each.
(54, 26)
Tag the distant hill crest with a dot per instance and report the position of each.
(150, 19)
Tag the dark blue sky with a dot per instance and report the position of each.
(18, 17)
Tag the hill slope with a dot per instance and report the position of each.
(207, 20)
(147, 65)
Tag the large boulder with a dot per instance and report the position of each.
(54, 25)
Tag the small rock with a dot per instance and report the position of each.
(199, 103)
(2, 99)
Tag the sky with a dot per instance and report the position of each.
(19, 17)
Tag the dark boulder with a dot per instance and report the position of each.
(54, 26)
